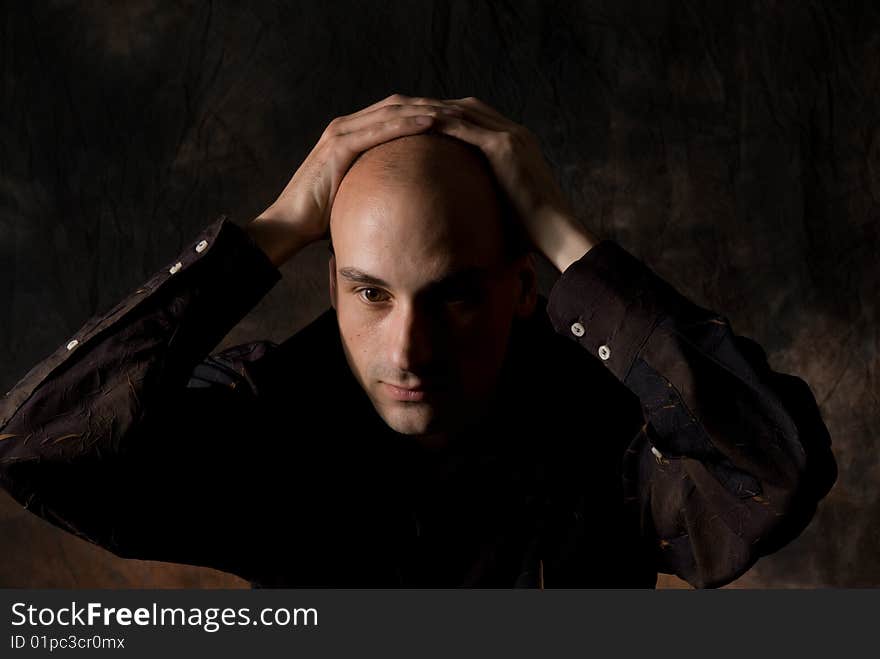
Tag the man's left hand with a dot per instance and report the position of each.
(519, 165)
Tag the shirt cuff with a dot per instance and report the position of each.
(609, 302)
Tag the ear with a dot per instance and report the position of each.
(527, 289)
(331, 263)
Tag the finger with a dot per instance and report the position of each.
(378, 133)
(481, 119)
(468, 131)
(390, 112)
(483, 108)
(395, 99)
(483, 114)
(388, 100)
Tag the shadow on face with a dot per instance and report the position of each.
(424, 290)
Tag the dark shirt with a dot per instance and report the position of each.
(632, 432)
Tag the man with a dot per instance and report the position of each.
(440, 425)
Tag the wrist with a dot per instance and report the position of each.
(564, 239)
(278, 239)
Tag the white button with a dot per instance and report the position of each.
(72, 344)
(604, 352)
(174, 268)
(201, 246)
(657, 453)
(577, 329)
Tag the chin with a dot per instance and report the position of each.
(411, 421)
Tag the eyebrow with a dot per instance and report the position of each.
(459, 276)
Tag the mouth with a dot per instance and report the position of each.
(413, 394)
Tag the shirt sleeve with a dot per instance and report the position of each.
(733, 457)
(127, 434)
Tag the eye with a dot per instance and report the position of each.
(372, 295)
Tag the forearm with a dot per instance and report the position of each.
(72, 419)
(278, 240)
(734, 456)
(563, 239)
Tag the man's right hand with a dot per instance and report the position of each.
(301, 214)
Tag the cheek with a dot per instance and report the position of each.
(360, 335)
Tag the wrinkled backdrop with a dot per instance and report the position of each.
(734, 146)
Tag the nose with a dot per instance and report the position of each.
(411, 339)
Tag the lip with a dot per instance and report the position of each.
(405, 394)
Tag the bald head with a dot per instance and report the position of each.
(418, 159)
(433, 169)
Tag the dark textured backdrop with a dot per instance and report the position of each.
(734, 146)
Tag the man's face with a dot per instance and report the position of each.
(424, 297)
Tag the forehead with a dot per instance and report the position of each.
(416, 232)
